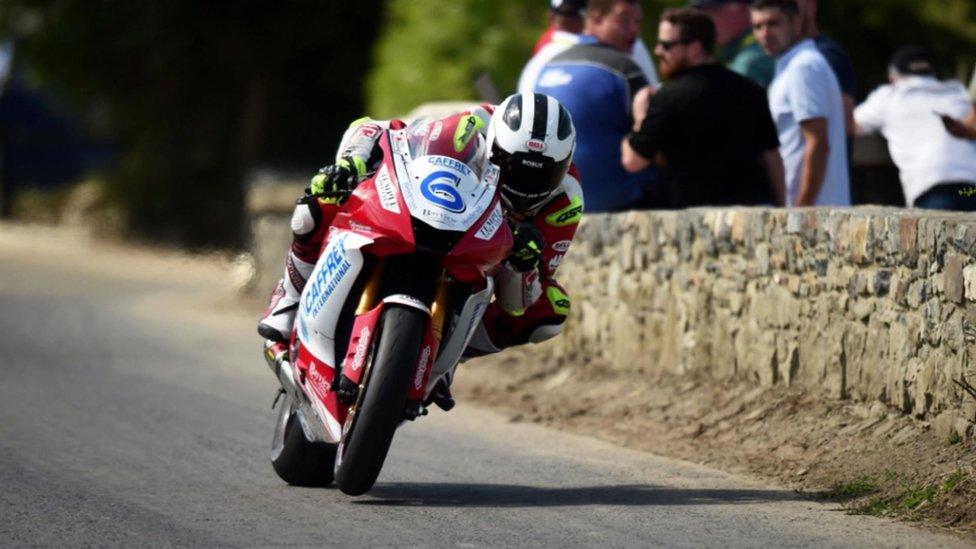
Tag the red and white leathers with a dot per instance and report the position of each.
(529, 307)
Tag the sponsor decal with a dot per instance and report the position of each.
(436, 132)
(559, 301)
(448, 162)
(369, 130)
(536, 145)
(333, 267)
(490, 176)
(567, 216)
(532, 164)
(554, 78)
(439, 188)
(386, 191)
(399, 144)
(360, 356)
(562, 246)
(418, 380)
(360, 227)
(491, 225)
(466, 129)
(316, 378)
(555, 262)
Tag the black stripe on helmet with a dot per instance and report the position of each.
(513, 113)
(540, 118)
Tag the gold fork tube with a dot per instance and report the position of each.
(368, 298)
(438, 310)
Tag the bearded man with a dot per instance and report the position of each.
(710, 128)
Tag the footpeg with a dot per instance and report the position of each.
(442, 396)
(414, 410)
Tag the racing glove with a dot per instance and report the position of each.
(527, 248)
(342, 176)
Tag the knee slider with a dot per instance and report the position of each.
(302, 220)
(545, 332)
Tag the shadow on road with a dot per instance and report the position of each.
(509, 495)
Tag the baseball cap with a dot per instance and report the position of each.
(702, 4)
(572, 8)
(912, 60)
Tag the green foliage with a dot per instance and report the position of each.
(912, 499)
(854, 489)
(871, 30)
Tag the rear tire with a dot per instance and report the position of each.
(297, 460)
(364, 448)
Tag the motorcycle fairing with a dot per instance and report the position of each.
(460, 336)
(326, 292)
(443, 192)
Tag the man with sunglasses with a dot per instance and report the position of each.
(709, 127)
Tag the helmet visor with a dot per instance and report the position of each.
(527, 178)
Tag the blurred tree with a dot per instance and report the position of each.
(197, 93)
(871, 30)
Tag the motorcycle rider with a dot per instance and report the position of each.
(529, 139)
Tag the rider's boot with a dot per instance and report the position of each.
(277, 321)
(308, 231)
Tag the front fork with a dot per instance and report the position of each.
(350, 384)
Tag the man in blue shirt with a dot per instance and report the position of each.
(836, 57)
(596, 81)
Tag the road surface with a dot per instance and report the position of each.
(135, 409)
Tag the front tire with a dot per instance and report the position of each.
(297, 460)
(365, 445)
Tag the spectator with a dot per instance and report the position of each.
(711, 126)
(564, 30)
(806, 103)
(838, 59)
(936, 169)
(739, 49)
(596, 80)
(565, 17)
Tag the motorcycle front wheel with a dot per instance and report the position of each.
(366, 442)
(295, 459)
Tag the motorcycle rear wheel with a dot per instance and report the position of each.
(365, 445)
(295, 459)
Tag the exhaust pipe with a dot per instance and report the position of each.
(276, 355)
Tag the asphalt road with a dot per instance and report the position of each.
(135, 410)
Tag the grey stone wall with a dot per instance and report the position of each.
(869, 304)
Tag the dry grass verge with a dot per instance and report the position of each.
(870, 459)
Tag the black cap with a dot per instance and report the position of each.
(571, 8)
(913, 60)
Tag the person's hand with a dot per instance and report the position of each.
(642, 102)
(527, 248)
(957, 128)
(341, 176)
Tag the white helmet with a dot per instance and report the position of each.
(531, 140)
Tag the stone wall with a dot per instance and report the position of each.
(869, 304)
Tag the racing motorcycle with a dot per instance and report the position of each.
(404, 278)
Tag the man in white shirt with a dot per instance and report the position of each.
(563, 36)
(808, 108)
(937, 170)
